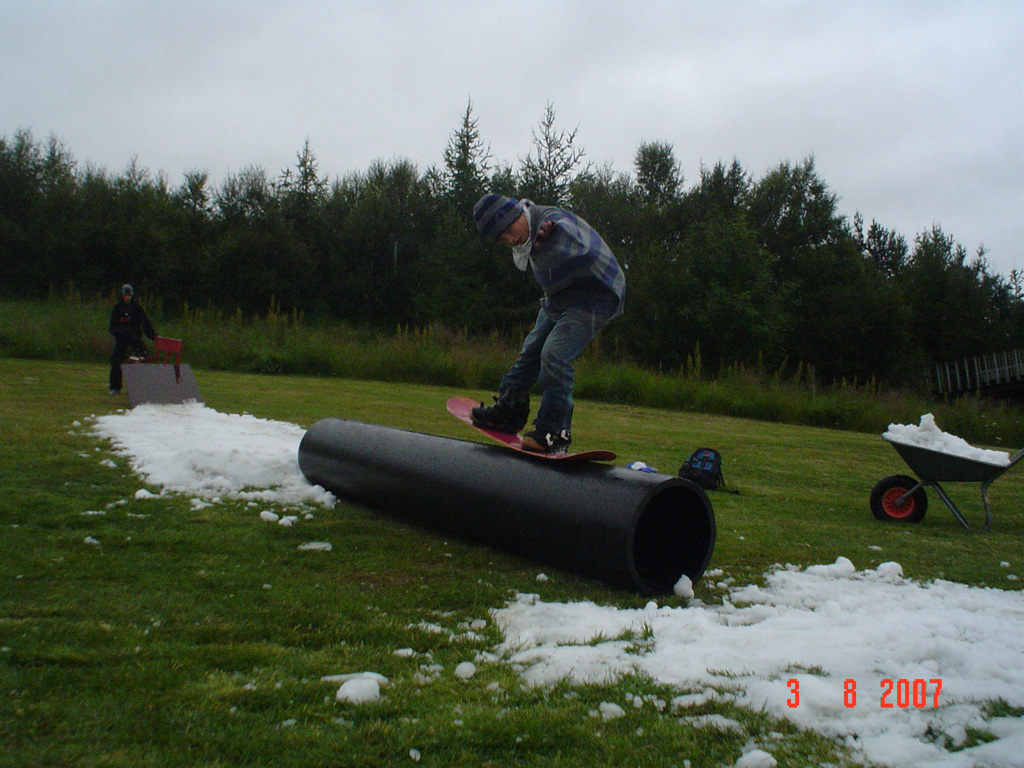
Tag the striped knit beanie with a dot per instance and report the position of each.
(494, 214)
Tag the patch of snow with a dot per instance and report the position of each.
(756, 758)
(316, 546)
(867, 626)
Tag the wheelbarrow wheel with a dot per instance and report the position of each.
(886, 504)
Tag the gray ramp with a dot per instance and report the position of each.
(161, 383)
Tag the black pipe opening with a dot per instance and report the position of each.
(674, 536)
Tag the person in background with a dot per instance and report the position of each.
(128, 321)
(584, 288)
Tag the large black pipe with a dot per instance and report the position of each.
(636, 530)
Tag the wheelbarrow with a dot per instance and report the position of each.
(901, 498)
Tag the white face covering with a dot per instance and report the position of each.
(521, 253)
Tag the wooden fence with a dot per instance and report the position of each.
(1002, 371)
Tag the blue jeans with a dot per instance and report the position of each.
(548, 352)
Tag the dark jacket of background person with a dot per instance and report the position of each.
(128, 321)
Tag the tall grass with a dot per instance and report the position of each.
(71, 327)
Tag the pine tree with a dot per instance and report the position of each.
(467, 164)
(550, 167)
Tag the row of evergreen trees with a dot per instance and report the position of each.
(731, 269)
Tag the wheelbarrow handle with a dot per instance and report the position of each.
(1016, 457)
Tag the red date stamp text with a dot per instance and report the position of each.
(895, 694)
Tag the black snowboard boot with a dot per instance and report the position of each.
(542, 441)
(507, 415)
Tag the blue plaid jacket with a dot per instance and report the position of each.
(574, 266)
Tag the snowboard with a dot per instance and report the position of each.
(461, 408)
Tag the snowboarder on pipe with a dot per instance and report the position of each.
(584, 288)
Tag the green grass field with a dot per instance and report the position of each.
(199, 636)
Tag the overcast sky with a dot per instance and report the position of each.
(914, 111)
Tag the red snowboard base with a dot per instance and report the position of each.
(460, 408)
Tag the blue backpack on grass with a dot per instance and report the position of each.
(704, 467)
